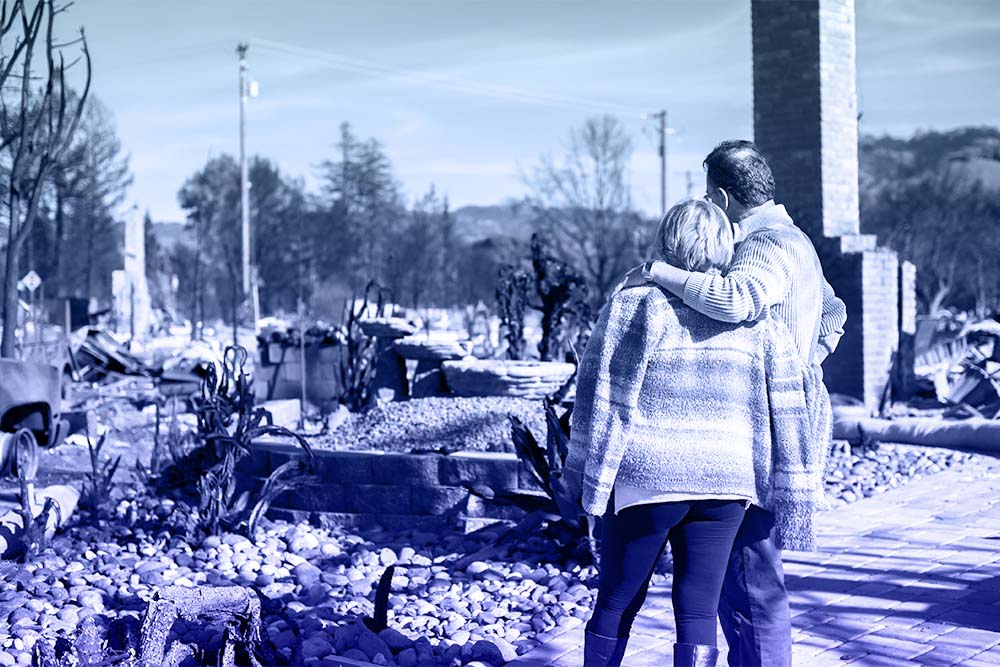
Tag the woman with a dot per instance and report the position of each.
(681, 421)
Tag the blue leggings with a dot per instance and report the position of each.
(701, 535)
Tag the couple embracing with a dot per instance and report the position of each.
(701, 420)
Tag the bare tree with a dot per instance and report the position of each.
(584, 204)
(36, 127)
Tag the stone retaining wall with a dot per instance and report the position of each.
(395, 490)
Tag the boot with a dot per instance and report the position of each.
(695, 655)
(601, 651)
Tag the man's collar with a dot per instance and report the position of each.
(766, 215)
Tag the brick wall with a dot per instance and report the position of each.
(838, 117)
(880, 319)
(805, 109)
(904, 379)
(805, 122)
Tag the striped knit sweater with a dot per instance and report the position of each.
(670, 400)
(775, 268)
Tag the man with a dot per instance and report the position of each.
(775, 269)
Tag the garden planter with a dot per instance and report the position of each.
(281, 373)
(387, 327)
(429, 351)
(389, 382)
(497, 377)
(432, 347)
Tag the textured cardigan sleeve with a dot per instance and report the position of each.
(797, 454)
(831, 324)
(757, 279)
(611, 375)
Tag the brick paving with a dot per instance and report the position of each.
(907, 577)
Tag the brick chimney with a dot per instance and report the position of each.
(805, 122)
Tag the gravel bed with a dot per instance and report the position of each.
(484, 614)
(853, 473)
(424, 424)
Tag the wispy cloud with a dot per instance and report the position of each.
(168, 72)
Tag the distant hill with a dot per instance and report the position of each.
(169, 234)
(475, 223)
(472, 224)
(974, 151)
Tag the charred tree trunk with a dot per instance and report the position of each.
(10, 287)
(89, 263)
(60, 214)
(238, 608)
(235, 307)
(196, 299)
(37, 132)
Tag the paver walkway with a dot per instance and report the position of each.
(908, 577)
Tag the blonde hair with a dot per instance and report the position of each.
(694, 235)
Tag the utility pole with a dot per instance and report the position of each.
(241, 51)
(690, 183)
(663, 162)
(662, 117)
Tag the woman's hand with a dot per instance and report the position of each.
(633, 278)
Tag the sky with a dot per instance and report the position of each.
(469, 95)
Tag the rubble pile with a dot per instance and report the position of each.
(287, 335)
(97, 356)
(961, 368)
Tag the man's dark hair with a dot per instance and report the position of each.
(740, 168)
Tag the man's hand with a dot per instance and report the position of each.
(633, 278)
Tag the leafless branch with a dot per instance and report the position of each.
(21, 44)
(63, 45)
(40, 135)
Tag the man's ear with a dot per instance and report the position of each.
(725, 199)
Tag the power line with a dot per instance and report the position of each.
(451, 84)
(172, 54)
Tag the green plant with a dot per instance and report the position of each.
(556, 504)
(356, 367)
(99, 481)
(228, 423)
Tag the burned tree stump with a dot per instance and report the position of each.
(238, 608)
